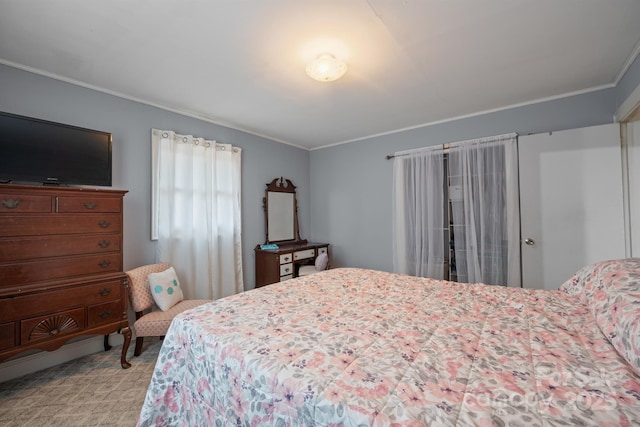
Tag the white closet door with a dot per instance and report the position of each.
(570, 202)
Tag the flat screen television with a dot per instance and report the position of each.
(39, 151)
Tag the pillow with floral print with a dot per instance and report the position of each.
(611, 290)
(165, 288)
(575, 285)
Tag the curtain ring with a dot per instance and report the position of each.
(165, 134)
(222, 147)
(184, 139)
(207, 144)
(197, 141)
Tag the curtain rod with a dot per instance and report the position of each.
(445, 147)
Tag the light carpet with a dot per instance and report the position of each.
(90, 391)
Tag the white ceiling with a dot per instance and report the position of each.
(241, 63)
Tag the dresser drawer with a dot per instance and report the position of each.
(100, 314)
(286, 269)
(24, 248)
(7, 335)
(88, 204)
(309, 253)
(55, 300)
(13, 203)
(285, 258)
(102, 292)
(37, 225)
(51, 325)
(20, 273)
(322, 250)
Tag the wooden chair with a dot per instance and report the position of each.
(150, 320)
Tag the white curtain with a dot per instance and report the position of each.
(196, 212)
(419, 213)
(486, 213)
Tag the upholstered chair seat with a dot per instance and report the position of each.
(321, 263)
(150, 320)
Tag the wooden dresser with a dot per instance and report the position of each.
(61, 270)
(276, 265)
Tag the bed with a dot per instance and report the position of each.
(359, 347)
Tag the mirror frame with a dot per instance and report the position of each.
(282, 185)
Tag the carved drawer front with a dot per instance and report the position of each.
(309, 253)
(37, 225)
(7, 335)
(51, 325)
(13, 203)
(285, 258)
(24, 248)
(100, 314)
(56, 268)
(88, 204)
(286, 269)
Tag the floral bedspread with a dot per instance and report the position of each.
(359, 347)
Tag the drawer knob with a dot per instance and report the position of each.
(104, 244)
(90, 205)
(104, 314)
(10, 203)
(105, 291)
(104, 224)
(104, 263)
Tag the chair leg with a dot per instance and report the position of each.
(138, 349)
(126, 333)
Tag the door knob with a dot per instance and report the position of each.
(529, 242)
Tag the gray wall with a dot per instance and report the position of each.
(628, 82)
(351, 184)
(131, 123)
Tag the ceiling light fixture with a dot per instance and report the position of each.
(326, 68)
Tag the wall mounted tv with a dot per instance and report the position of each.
(38, 151)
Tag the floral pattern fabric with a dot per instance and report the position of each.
(359, 347)
(611, 290)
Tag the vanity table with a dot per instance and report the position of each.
(281, 214)
(276, 265)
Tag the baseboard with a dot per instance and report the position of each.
(15, 368)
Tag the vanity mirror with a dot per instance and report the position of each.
(283, 261)
(281, 212)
